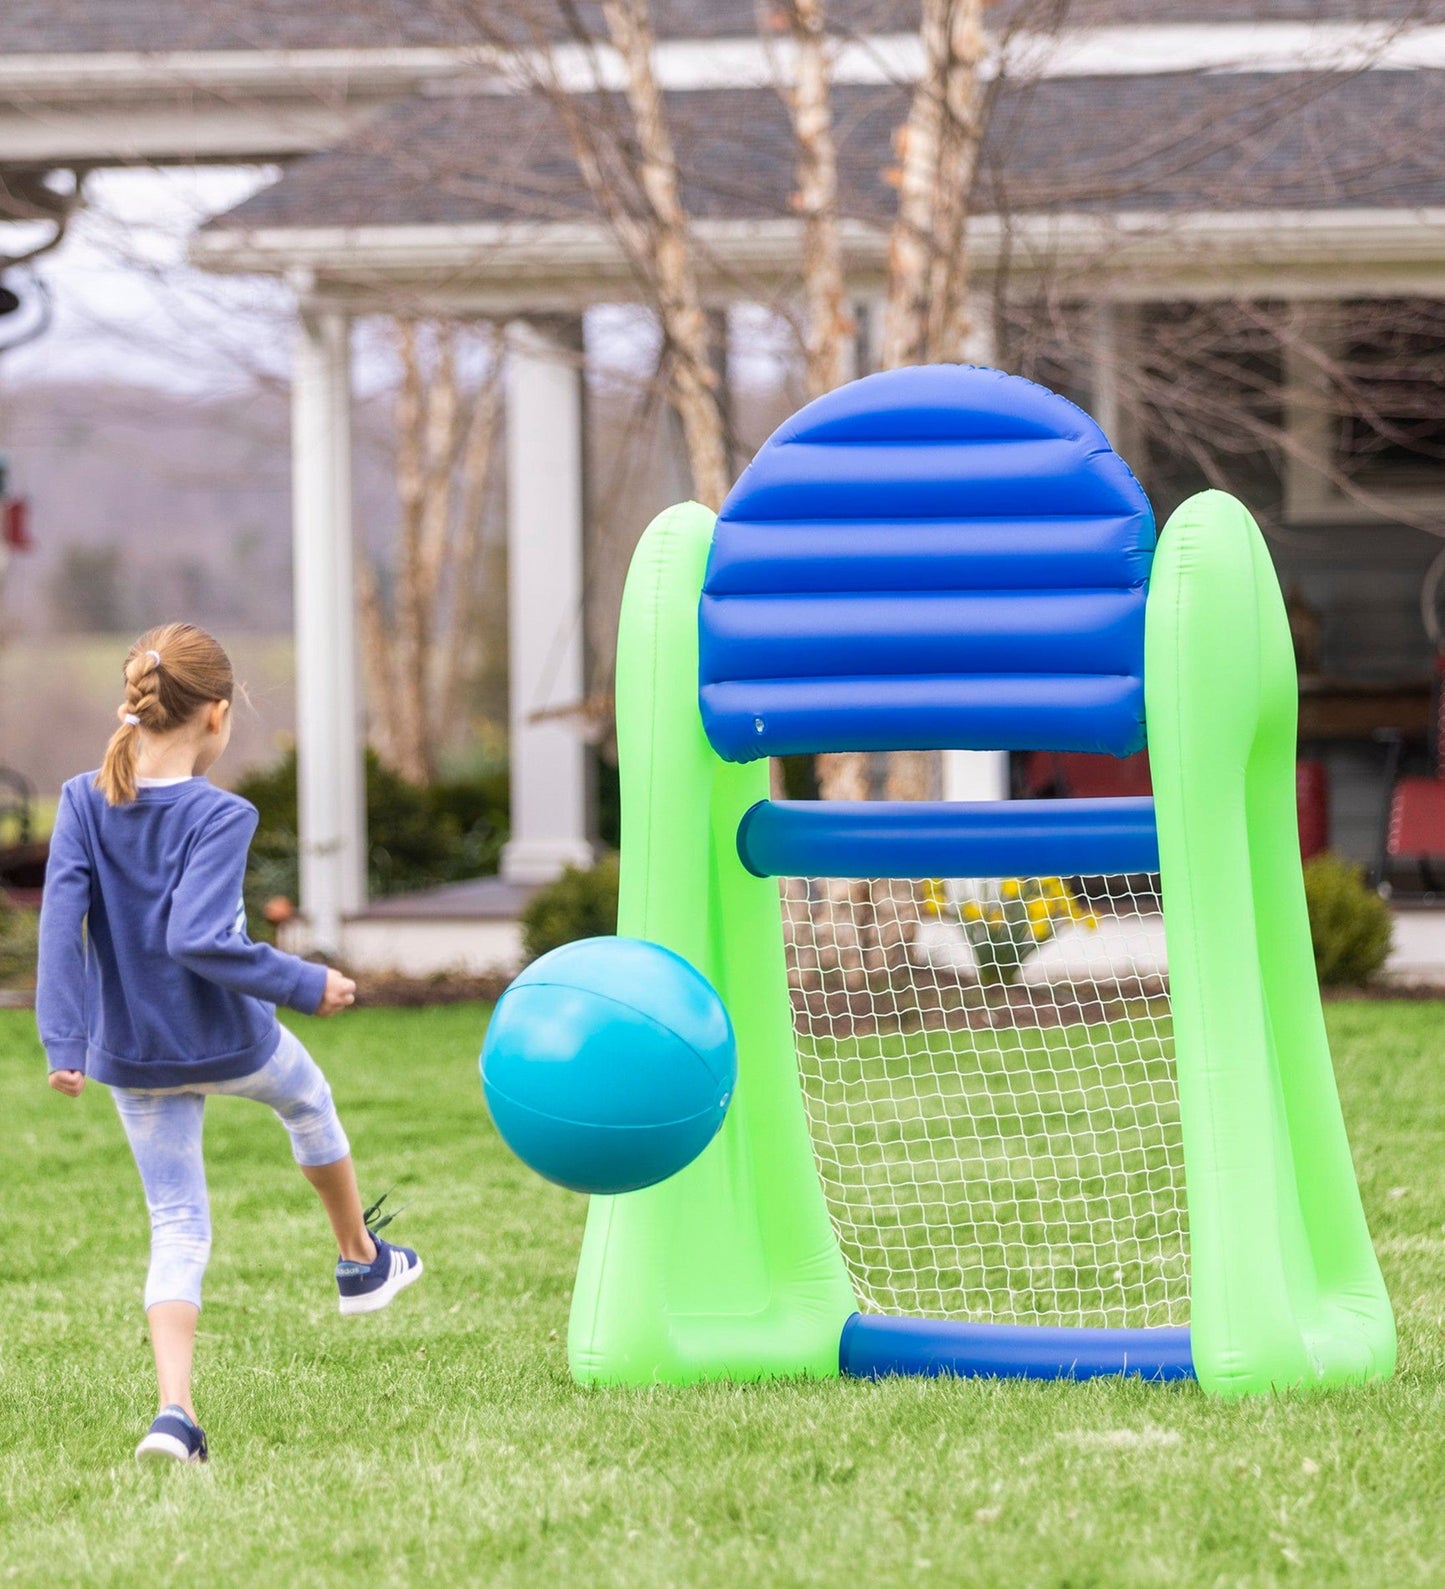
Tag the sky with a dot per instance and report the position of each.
(127, 306)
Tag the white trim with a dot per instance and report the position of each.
(129, 73)
(1127, 256)
(747, 61)
(420, 948)
(1229, 47)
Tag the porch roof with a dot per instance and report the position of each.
(83, 27)
(478, 194)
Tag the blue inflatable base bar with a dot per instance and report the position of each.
(875, 1347)
(923, 838)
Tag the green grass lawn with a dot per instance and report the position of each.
(443, 1442)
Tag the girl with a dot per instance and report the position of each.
(148, 982)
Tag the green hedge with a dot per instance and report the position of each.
(1350, 925)
(579, 904)
(19, 936)
(417, 837)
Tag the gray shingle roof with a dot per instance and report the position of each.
(1212, 141)
(65, 27)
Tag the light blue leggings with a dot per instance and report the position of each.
(164, 1128)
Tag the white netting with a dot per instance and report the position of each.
(1001, 1148)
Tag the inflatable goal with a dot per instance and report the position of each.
(984, 1122)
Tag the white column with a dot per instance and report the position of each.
(331, 805)
(865, 354)
(1104, 384)
(977, 774)
(545, 504)
(980, 346)
(1308, 413)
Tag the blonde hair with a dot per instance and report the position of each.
(170, 674)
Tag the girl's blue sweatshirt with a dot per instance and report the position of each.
(147, 977)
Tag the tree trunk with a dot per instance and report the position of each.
(827, 324)
(459, 646)
(417, 652)
(410, 727)
(693, 380)
(926, 318)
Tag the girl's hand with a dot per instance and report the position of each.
(340, 992)
(70, 1082)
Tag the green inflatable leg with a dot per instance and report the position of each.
(1286, 1289)
(729, 1269)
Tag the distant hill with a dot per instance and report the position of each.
(146, 505)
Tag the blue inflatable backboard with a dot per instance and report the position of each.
(935, 558)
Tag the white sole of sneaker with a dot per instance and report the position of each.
(158, 1449)
(375, 1301)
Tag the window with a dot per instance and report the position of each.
(1366, 409)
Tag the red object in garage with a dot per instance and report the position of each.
(1075, 775)
(1083, 777)
(15, 524)
(1414, 824)
(1312, 797)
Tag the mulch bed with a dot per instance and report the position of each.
(376, 988)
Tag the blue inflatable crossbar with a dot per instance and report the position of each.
(1011, 838)
(875, 1347)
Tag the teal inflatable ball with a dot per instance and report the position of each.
(608, 1064)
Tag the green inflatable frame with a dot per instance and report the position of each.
(731, 1269)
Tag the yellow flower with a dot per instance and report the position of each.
(971, 911)
(1041, 930)
(1010, 888)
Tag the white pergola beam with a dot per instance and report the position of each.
(329, 729)
(545, 505)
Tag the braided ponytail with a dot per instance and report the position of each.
(170, 673)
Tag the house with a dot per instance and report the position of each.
(1226, 238)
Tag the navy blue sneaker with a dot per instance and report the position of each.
(365, 1288)
(174, 1437)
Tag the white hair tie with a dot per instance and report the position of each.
(156, 655)
(131, 720)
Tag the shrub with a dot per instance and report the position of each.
(19, 940)
(580, 904)
(1350, 925)
(417, 837)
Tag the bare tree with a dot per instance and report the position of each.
(418, 645)
(926, 309)
(827, 323)
(623, 148)
(926, 319)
